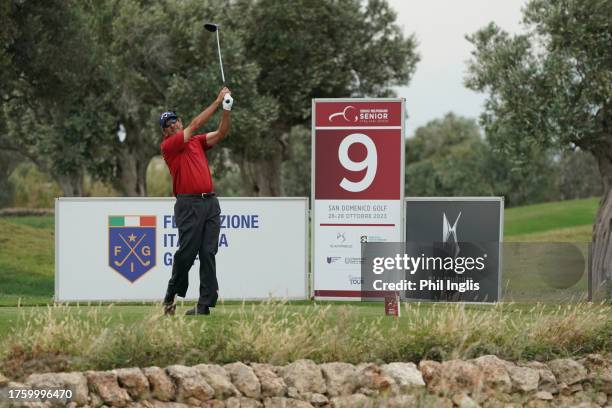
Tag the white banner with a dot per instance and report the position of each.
(121, 249)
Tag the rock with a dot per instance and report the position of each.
(373, 378)
(318, 400)
(219, 380)
(463, 401)
(568, 371)
(105, 384)
(214, 403)
(161, 404)
(74, 381)
(3, 380)
(271, 384)
(405, 375)
(536, 403)
(134, 381)
(543, 395)
(293, 392)
(495, 373)
(95, 400)
(436, 401)
(399, 401)
(430, 370)
(524, 379)
(341, 378)
(244, 379)
(189, 383)
(600, 398)
(162, 387)
(281, 402)
(305, 376)
(352, 401)
(243, 402)
(452, 376)
(547, 382)
(600, 372)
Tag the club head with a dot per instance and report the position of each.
(212, 27)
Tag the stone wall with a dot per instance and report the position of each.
(486, 381)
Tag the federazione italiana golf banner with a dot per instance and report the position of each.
(357, 187)
(122, 249)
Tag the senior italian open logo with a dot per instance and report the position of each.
(131, 244)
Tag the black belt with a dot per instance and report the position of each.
(201, 195)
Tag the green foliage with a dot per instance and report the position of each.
(314, 49)
(551, 86)
(49, 91)
(33, 188)
(579, 175)
(448, 157)
(8, 162)
(297, 170)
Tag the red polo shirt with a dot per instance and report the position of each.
(187, 163)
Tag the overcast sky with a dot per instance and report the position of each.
(440, 27)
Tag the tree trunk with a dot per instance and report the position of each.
(601, 250)
(134, 158)
(131, 178)
(71, 184)
(262, 177)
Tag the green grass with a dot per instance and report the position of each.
(27, 259)
(64, 338)
(549, 216)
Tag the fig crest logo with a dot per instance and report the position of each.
(131, 244)
(349, 114)
(449, 231)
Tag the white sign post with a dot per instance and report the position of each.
(357, 187)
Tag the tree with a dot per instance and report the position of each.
(157, 56)
(447, 157)
(50, 113)
(578, 176)
(314, 49)
(552, 87)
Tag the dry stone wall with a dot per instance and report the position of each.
(482, 382)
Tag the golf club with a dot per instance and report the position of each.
(214, 28)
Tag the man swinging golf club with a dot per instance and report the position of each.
(196, 210)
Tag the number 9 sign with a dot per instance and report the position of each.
(369, 163)
(350, 164)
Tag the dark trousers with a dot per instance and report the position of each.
(198, 225)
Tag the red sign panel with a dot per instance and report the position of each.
(358, 164)
(358, 114)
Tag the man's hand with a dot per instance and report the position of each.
(224, 91)
(228, 101)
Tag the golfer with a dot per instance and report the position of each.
(196, 210)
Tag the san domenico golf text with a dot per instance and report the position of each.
(424, 263)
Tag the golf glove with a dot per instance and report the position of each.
(228, 101)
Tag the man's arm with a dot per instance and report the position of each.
(215, 137)
(203, 117)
